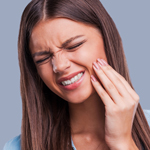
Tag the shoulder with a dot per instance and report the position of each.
(147, 115)
(13, 144)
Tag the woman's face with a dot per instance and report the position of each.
(61, 47)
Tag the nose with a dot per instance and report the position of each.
(60, 62)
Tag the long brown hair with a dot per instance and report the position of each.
(45, 118)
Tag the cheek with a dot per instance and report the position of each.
(46, 73)
(87, 54)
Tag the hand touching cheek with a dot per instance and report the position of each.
(120, 102)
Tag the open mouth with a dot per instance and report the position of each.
(74, 82)
(73, 79)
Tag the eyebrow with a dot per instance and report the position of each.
(63, 45)
(40, 53)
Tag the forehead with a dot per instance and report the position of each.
(59, 27)
(57, 30)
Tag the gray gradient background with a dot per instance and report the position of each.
(132, 20)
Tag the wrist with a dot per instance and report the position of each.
(130, 145)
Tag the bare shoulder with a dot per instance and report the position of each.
(13, 144)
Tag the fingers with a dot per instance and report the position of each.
(115, 85)
(107, 71)
(134, 95)
(101, 92)
(120, 106)
(109, 87)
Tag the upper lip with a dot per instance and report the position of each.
(68, 77)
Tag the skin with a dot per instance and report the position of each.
(102, 114)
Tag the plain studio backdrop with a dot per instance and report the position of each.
(133, 22)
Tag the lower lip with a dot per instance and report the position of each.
(73, 85)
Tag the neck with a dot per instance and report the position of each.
(88, 118)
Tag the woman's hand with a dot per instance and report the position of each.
(120, 102)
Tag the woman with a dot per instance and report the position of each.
(75, 85)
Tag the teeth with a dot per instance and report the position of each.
(72, 80)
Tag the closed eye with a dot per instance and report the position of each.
(69, 48)
(75, 46)
(40, 61)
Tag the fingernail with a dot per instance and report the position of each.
(93, 78)
(102, 62)
(96, 65)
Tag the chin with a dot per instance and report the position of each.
(80, 96)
